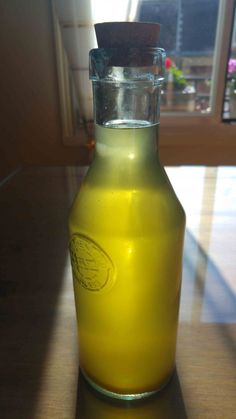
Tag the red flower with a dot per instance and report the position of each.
(168, 63)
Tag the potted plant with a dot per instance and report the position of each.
(177, 95)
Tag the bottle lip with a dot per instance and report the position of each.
(150, 49)
(148, 64)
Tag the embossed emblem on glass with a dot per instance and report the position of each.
(91, 266)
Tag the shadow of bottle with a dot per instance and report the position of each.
(167, 404)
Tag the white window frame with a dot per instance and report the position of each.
(185, 138)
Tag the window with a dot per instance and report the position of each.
(188, 35)
(196, 35)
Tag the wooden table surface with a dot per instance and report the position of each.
(38, 346)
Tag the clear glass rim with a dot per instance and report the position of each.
(131, 49)
(148, 64)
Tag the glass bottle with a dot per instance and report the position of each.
(126, 233)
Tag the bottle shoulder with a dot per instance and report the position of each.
(127, 173)
(139, 210)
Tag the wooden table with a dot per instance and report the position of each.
(38, 347)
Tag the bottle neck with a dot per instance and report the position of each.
(127, 84)
(126, 119)
(131, 103)
(126, 92)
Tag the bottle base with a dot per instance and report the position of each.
(120, 396)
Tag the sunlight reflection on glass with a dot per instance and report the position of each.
(209, 286)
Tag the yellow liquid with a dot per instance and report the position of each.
(126, 206)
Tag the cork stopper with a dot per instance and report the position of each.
(127, 34)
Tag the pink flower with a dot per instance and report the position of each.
(232, 66)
